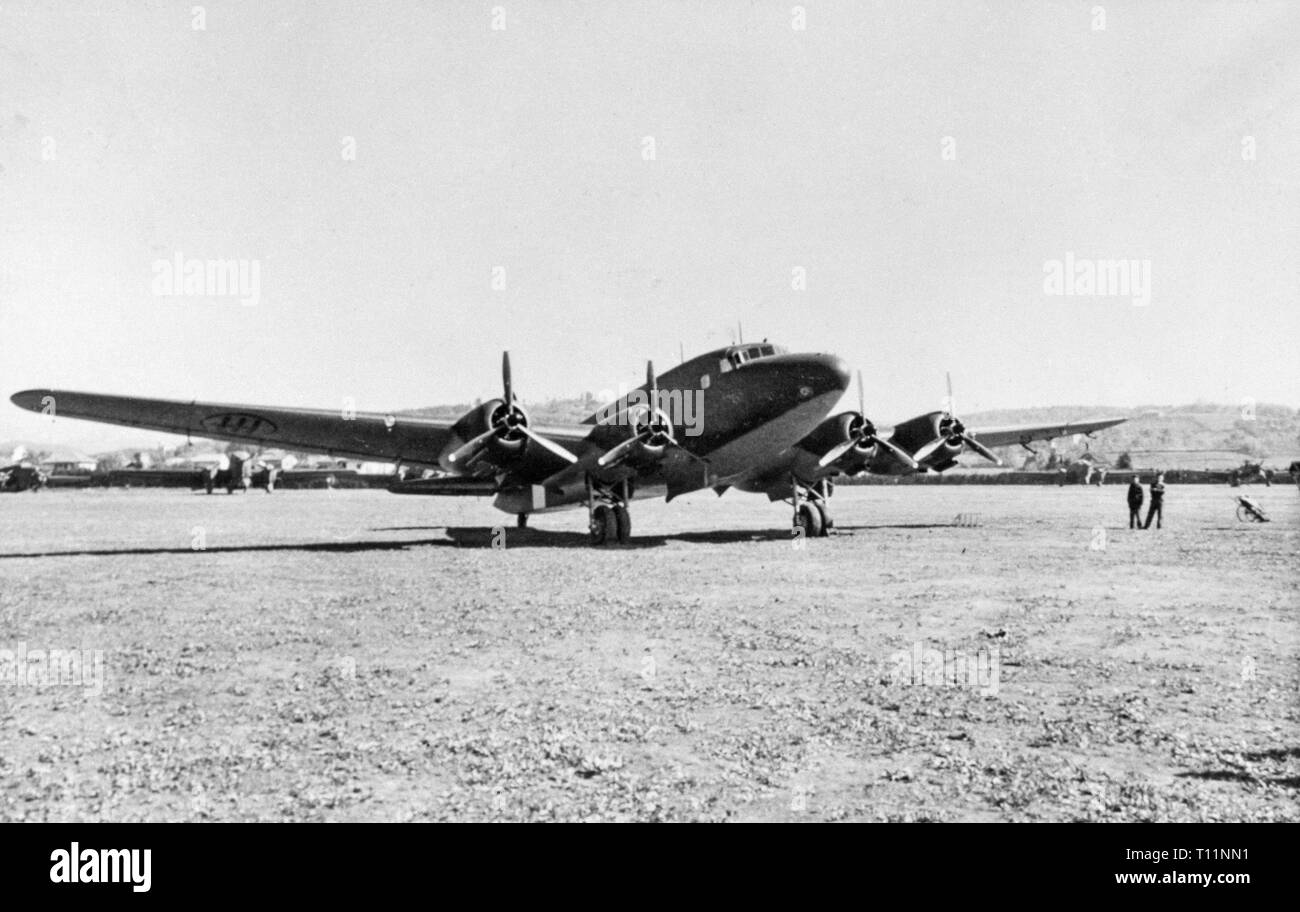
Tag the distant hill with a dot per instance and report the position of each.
(552, 411)
(1188, 436)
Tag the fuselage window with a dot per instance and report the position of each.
(704, 382)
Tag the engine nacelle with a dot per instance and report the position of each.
(840, 429)
(503, 449)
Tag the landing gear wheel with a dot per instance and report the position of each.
(827, 522)
(603, 525)
(622, 525)
(609, 520)
(810, 520)
(521, 521)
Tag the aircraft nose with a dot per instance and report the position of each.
(829, 373)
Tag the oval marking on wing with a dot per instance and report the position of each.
(238, 423)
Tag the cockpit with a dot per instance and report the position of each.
(741, 354)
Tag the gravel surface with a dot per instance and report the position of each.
(360, 656)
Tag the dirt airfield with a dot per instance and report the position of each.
(360, 656)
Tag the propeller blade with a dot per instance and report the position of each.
(981, 449)
(618, 453)
(862, 399)
(548, 445)
(899, 453)
(836, 452)
(465, 452)
(505, 379)
(952, 406)
(652, 385)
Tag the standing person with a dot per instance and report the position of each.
(1135, 498)
(1157, 508)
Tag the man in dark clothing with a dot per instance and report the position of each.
(1157, 508)
(1135, 498)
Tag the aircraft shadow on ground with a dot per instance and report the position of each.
(844, 527)
(455, 537)
(483, 536)
(325, 546)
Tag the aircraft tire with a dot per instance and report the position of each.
(810, 518)
(622, 525)
(602, 524)
(827, 522)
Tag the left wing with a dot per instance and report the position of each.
(362, 435)
(365, 435)
(1010, 435)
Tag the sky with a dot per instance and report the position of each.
(419, 186)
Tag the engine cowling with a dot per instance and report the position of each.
(506, 445)
(850, 432)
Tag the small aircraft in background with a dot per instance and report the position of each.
(239, 471)
(753, 417)
(22, 474)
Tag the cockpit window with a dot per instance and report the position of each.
(739, 356)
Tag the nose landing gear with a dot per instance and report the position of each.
(812, 507)
(609, 519)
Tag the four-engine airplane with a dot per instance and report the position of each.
(751, 417)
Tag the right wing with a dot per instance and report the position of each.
(363, 435)
(1025, 434)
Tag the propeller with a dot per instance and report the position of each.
(952, 433)
(508, 425)
(862, 436)
(654, 434)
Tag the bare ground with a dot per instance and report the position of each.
(355, 655)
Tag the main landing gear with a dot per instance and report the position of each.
(609, 519)
(811, 507)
